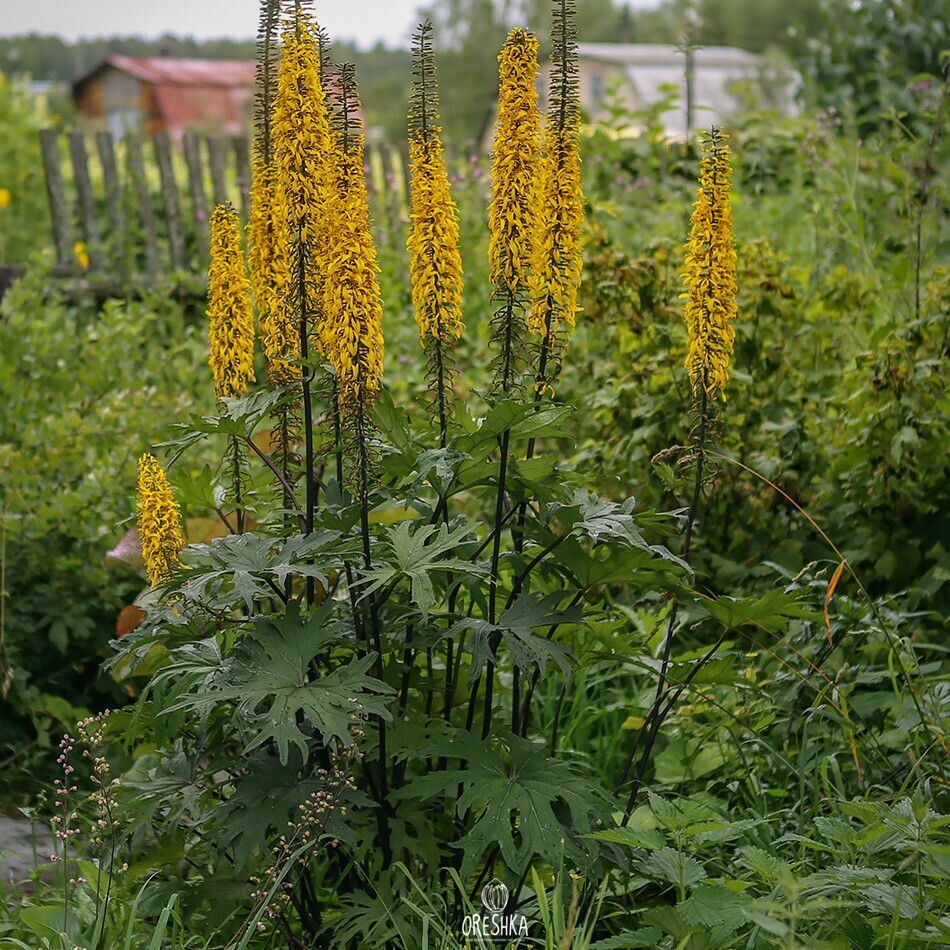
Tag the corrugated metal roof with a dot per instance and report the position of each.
(186, 72)
(225, 109)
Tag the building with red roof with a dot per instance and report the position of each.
(163, 94)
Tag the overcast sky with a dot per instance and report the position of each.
(365, 21)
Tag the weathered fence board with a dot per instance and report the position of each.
(56, 191)
(243, 160)
(176, 227)
(115, 213)
(199, 201)
(218, 158)
(140, 220)
(87, 202)
(145, 209)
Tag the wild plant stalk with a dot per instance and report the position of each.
(710, 266)
(435, 271)
(301, 147)
(352, 339)
(557, 264)
(295, 850)
(105, 831)
(884, 624)
(63, 829)
(513, 225)
(658, 713)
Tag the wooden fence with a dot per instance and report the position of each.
(119, 213)
(134, 214)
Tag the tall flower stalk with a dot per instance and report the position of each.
(710, 281)
(557, 263)
(710, 275)
(514, 224)
(351, 331)
(230, 326)
(301, 145)
(268, 235)
(269, 259)
(159, 521)
(436, 274)
(435, 259)
(352, 339)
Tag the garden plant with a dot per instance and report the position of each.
(612, 621)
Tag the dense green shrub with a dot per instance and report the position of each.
(79, 388)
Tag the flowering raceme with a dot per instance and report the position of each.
(269, 259)
(557, 271)
(351, 331)
(301, 136)
(435, 261)
(159, 521)
(231, 322)
(710, 275)
(556, 274)
(513, 214)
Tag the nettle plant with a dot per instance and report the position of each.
(395, 582)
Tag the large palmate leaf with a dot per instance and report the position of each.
(586, 514)
(604, 544)
(516, 628)
(415, 555)
(517, 797)
(612, 564)
(241, 568)
(276, 695)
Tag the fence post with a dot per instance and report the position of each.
(87, 202)
(243, 160)
(176, 232)
(116, 240)
(56, 192)
(144, 201)
(199, 201)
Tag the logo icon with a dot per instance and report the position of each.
(495, 896)
(493, 925)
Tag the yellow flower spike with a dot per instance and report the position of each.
(435, 261)
(270, 268)
(231, 323)
(557, 266)
(301, 143)
(5, 197)
(513, 214)
(556, 274)
(351, 331)
(159, 521)
(710, 275)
